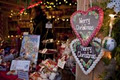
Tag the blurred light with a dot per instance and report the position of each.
(8, 36)
(53, 17)
(25, 13)
(16, 35)
(21, 14)
(63, 19)
(49, 17)
(47, 2)
(10, 16)
(54, 6)
(11, 35)
(56, 0)
(75, 2)
(30, 20)
(64, 0)
(52, 3)
(70, 4)
(11, 10)
(58, 18)
(67, 19)
(50, 6)
(59, 2)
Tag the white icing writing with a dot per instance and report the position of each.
(84, 27)
(84, 21)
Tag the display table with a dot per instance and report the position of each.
(49, 53)
(4, 76)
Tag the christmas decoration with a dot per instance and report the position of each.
(109, 43)
(86, 57)
(112, 71)
(86, 24)
(114, 4)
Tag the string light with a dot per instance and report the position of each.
(53, 17)
(54, 6)
(11, 35)
(64, 0)
(67, 19)
(59, 2)
(70, 4)
(11, 10)
(8, 36)
(58, 18)
(63, 19)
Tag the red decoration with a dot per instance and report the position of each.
(86, 24)
(31, 6)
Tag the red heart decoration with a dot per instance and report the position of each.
(86, 24)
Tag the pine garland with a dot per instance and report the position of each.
(113, 65)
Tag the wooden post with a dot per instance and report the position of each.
(99, 68)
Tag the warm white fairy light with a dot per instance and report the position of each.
(54, 6)
(58, 18)
(112, 18)
(53, 16)
(8, 36)
(59, 2)
(67, 19)
(66, 1)
(11, 35)
(63, 19)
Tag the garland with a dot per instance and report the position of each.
(112, 71)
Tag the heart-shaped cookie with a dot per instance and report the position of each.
(86, 24)
(86, 57)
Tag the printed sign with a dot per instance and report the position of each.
(61, 63)
(86, 24)
(23, 75)
(48, 25)
(86, 57)
(20, 65)
(30, 47)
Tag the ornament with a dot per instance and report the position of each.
(114, 4)
(86, 24)
(109, 43)
(86, 57)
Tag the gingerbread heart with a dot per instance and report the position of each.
(86, 57)
(86, 24)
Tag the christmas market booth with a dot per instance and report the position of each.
(59, 39)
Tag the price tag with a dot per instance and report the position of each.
(48, 25)
(23, 75)
(44, 50)
(61, 63)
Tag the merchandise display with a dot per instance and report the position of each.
(59, 39)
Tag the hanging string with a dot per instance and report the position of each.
(84, 5)
(90, 3)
